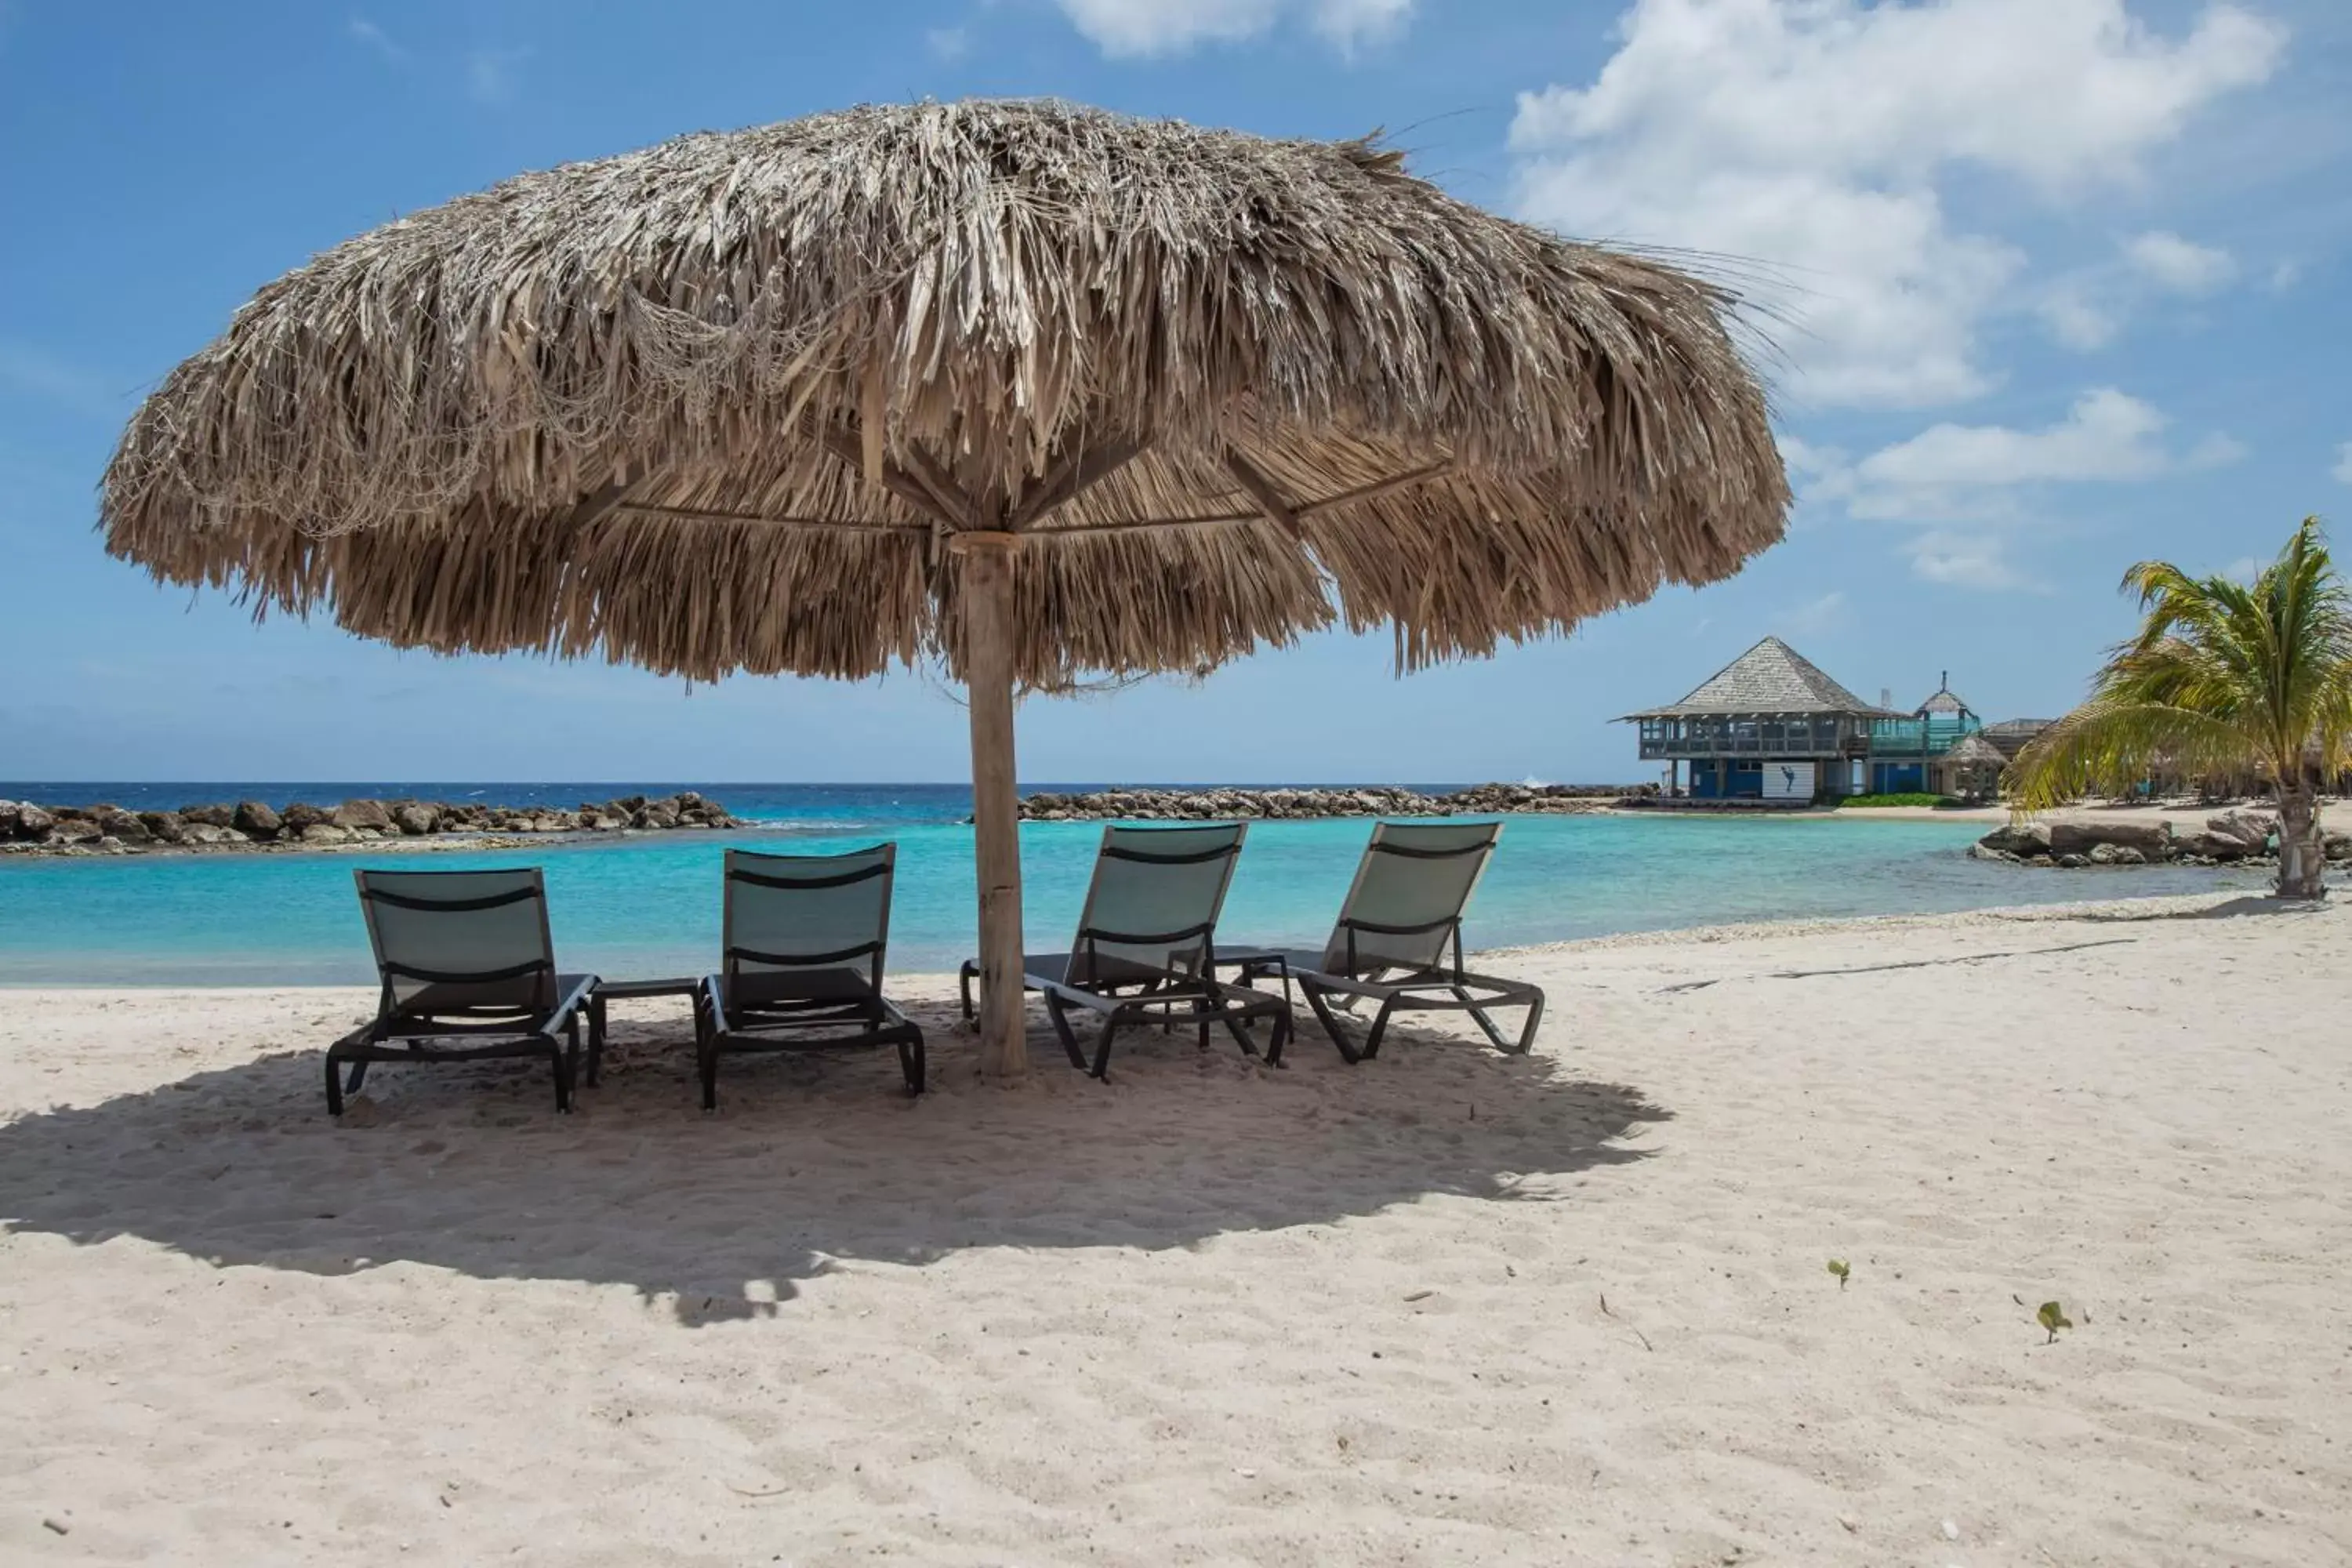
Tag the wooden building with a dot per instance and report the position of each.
(1771, 728)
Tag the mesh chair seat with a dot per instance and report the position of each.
(1398, 941)
(806, 938)
(467, 969)
(1146, 945)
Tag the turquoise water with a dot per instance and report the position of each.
(649, 905)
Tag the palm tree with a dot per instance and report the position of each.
(2223, 678)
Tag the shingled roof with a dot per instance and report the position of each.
(1771, 678)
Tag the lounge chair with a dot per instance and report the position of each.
(803, 946)
(1400, 921)
(468, 973)
(1145, 944)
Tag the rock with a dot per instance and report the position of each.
(216, 815)
(2070, 836)
(254, 819)
(302, 815)
(117, 822)
(358, 814)
(416, 818)
(1982, 849)
(2209, 847)
(32, 821)
(68, 830)
(164, 826)
(659, 814)
(326, 832)
(2338, 846)
(2070, 862)
(2250, 829)
(2016, 838)
(205, 833)
(2116, 854)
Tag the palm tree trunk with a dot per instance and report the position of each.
(2302, 854)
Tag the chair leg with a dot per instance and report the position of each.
(1241, 1036)
(335, 1086)
(706, 1065)
(1101, 1068)
(1379, 1028)
(1485, 1020)
(1203, 1012)
(1059, 1014)
(356, 1077)
(910, 1063)
(965, 975)
(1326, 1016)
(561, 1064)
(596, 1023)
(1535, 1019)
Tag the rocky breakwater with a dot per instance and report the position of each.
(2231, 837)
(1224, 804)
(250, 824)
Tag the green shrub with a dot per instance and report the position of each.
(1935, 800)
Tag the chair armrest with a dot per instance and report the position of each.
(568, 1003)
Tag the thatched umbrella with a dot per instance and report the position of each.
(1033, 389)
(1977, 760)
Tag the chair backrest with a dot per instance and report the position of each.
(460, 942)
(1404, 907)
(1154, 898)
(824, 916)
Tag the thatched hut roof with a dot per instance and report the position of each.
(1974, 751)
(725, 403)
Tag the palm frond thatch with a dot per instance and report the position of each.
(725, 403)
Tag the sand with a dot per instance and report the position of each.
(1448, 1306)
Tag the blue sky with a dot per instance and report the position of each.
(2055, 285)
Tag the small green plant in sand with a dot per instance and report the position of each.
(1906, 799)
(1842, 1269)
(2053, 1318)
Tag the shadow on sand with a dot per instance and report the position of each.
(808, 1166)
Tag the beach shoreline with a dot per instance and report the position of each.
(1448, 1305)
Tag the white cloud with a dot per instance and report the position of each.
(2108, 435)
(1975, 489)
(2179, 265)
(377, 39)
(2286, 276)
(1139, 27)
(1975, 559)
(2074, 320)
(947, 43)
(2343, 469)
(1810, 135)
(1352, 23)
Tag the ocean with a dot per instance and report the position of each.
(649, 905)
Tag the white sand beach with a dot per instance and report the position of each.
(1447, 1307)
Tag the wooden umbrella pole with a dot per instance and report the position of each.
(995, 802)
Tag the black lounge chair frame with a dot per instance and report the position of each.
(1121, 992)
(807, 1003)
(434, 1023)
(1393, 987)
